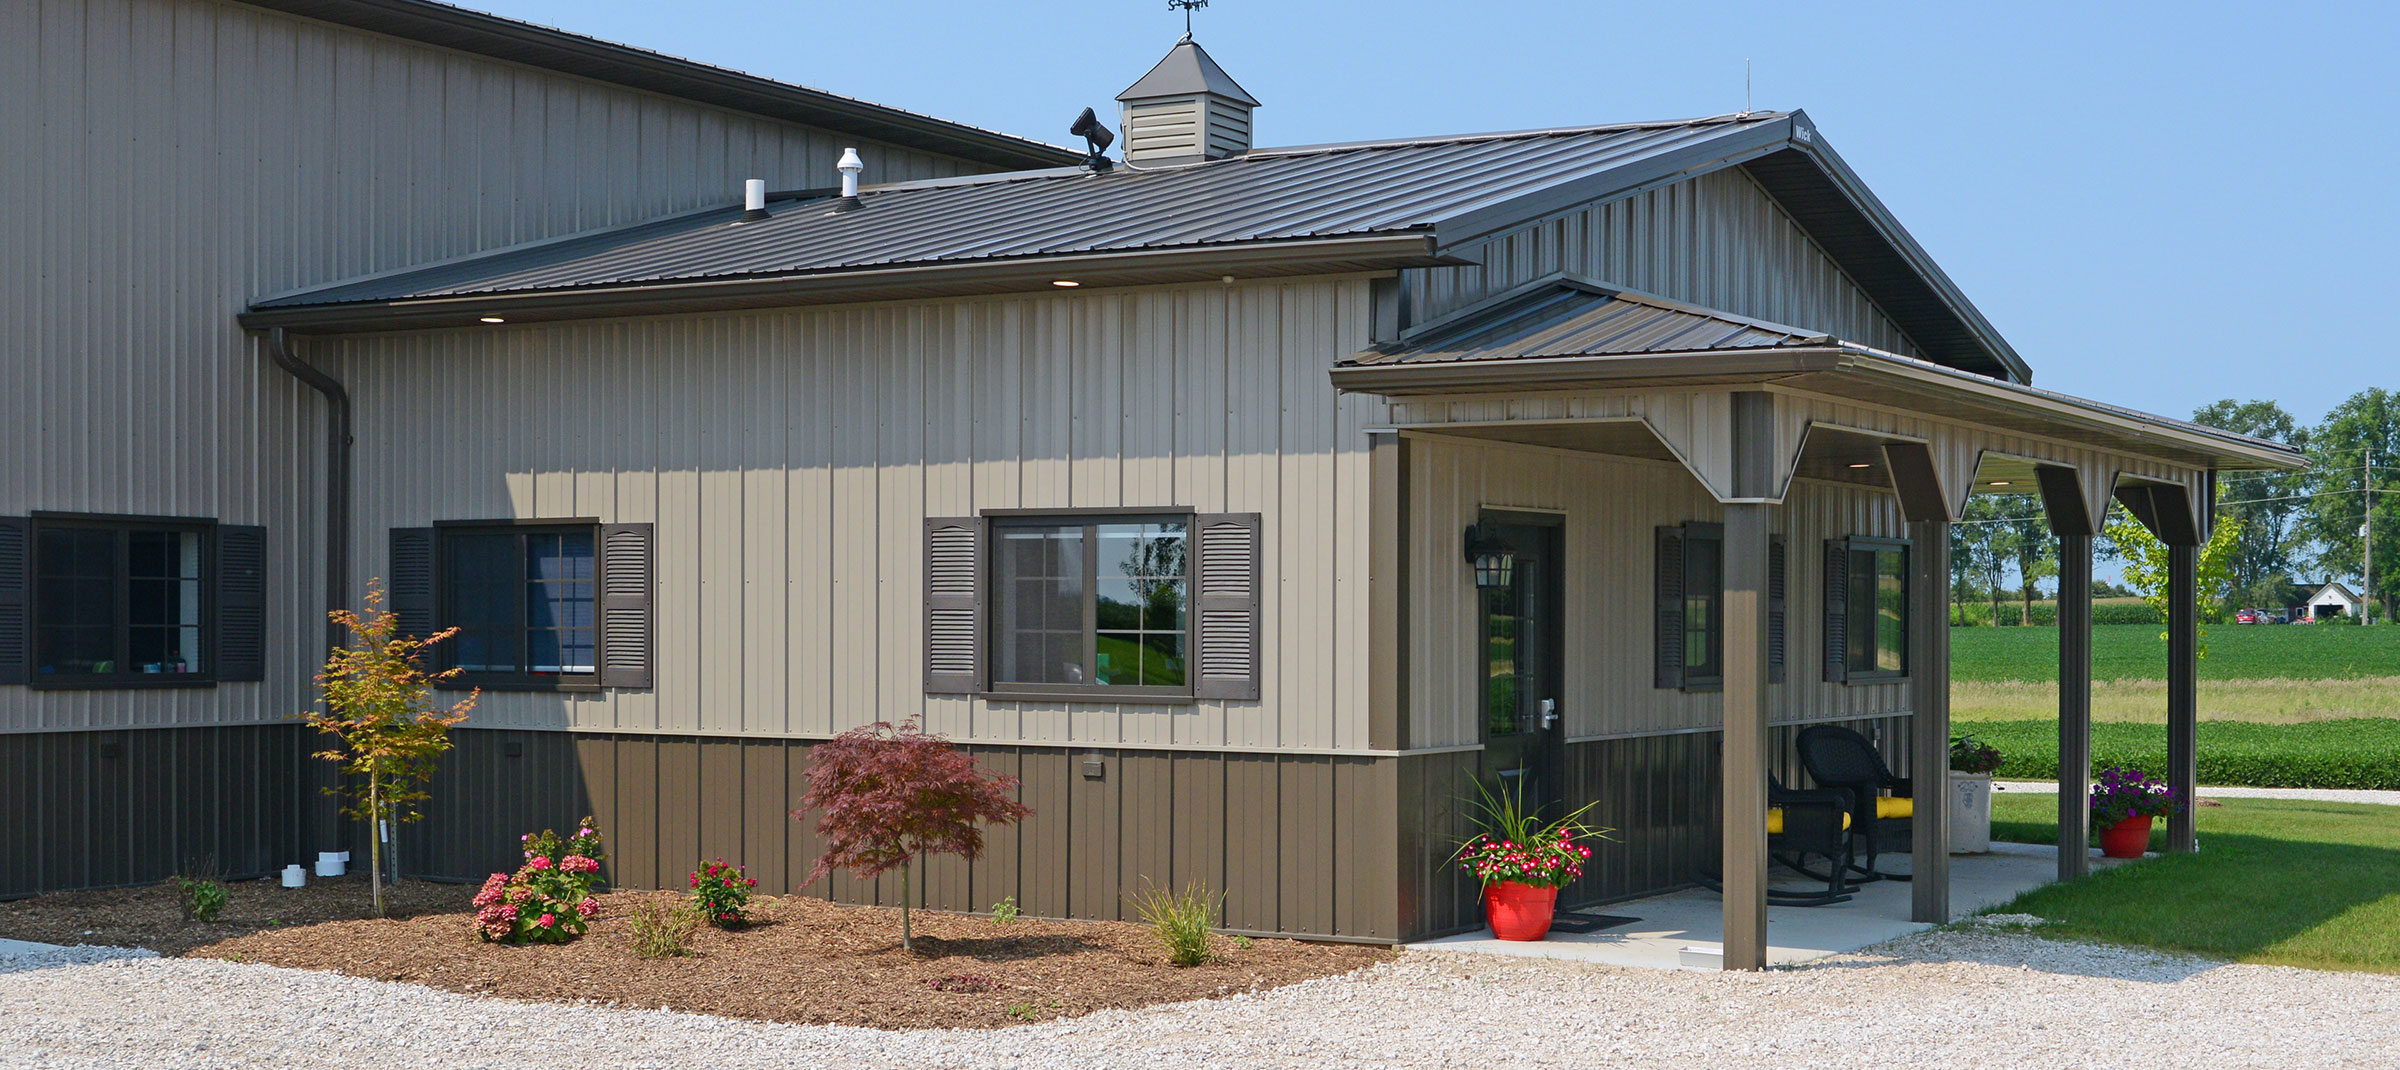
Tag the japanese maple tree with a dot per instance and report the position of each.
(886, 796)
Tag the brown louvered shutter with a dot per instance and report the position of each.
(954, 568)
(626, 621)
(1837, 611)
(1667, 581)
(1228, 549)
(411, 580)
(241, 603)
(16, 600)
(1775, 597)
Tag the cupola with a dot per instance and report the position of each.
(1186, 108)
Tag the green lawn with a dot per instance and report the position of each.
(2136, 652)
(2362, 752)
(2286, 883)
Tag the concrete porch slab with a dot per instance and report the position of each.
(1685, 929)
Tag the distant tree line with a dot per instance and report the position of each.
(2291, 531)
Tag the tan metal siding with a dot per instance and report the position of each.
(1718, 240)
(174, 159)
(1611, 506)
(789, 460)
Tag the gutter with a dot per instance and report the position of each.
(1207, 263)
(337, 475)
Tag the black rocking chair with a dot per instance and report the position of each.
(1802, 823)
(1840, 759)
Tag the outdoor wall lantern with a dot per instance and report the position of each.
(1494, 563)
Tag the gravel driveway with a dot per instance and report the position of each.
(1981, 999)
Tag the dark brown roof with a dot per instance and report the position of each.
(1569, 317)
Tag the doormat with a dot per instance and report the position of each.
(1578, 922)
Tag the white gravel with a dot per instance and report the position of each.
(1980, 998)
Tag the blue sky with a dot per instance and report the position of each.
(2158, 204)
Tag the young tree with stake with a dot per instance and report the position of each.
(379, 705)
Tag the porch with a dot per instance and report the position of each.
(1686, 929)
(1612, 439)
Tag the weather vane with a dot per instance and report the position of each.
(1188, 7)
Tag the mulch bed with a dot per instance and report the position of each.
(804, 960)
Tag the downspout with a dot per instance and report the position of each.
(322, 826)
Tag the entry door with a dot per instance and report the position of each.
(1522, 646)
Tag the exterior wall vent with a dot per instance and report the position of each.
(1186, 108)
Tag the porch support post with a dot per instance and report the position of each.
(1749, 520)
(1915, 478)
(2183, 707)
(2070, 517)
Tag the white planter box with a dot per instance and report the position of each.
(1970, 813)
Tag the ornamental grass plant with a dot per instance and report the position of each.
(1180, 920)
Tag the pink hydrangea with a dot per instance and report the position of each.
(546, 920)
(537, 862)
(578, 864)
(588, 907)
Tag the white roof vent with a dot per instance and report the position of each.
(1186, 108)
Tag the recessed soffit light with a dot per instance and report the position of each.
(495, 319)
(1999, 483)
(1065, 283)
(1862, 464)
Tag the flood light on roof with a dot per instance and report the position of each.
(494, 319)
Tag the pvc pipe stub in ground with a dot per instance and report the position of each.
(331, 864)
(294, 876)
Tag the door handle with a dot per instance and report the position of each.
(1549, 714)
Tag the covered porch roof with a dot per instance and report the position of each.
(1572, 334)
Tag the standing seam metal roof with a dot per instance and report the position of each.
(1334, 191)
(1573, 318)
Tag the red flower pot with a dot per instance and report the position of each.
(2127, 838)
(1519, 911)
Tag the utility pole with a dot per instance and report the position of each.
(2366, 608)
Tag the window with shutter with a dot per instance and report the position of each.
(1229, 552)
(117, 601)
(16, 596)
(241, 603)
(1867, 609)
(538, 605)
(1689, 578)
(1109, 606)
(954, 605)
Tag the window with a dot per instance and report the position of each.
(1097, 604)
(524, 601)
(121, 602)
(1866, 609)
(1690, 615)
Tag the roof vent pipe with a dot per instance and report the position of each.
(754, 200)
(850, 166)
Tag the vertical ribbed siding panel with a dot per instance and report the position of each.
(1718, 240)
(300, 153)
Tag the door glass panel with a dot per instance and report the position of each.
(1502, 713)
